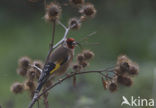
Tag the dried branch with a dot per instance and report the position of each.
(52, 42)
(67, 76)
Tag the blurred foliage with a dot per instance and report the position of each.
(122, 26)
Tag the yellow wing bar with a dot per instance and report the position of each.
(56, 67)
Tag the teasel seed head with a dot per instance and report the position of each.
(80, 57)
(76, 67)
(88, 54)
(113, 87)
(74, 23)
(31, 74)
(29, 85)
(21, 71)
(88, 10)
(17, 88)
(124, 80)
(24, 62)
(133, 69)
(53, 12)
(84, 64)
(38, 63)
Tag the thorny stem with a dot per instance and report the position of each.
(65, 78)
(52, 42)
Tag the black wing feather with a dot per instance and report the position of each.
(45, 74)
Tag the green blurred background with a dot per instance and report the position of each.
(122, 26)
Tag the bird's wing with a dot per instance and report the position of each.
(48, 70)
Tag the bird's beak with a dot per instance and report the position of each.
(78, 44)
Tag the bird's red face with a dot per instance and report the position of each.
(71, 43)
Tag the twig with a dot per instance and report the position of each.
(52, 42)
(65, 34)
(65, 78)
(63, 39)
(59, 22)
(39, 69)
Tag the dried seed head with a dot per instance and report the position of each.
(21, 71)
(53, 12)
(126, 66)
(122, 59)
(124, 80)
(113, 87)
(83, 18)
(77, 2)
(80, 57)
(17, 88)
(122, 68)
(30, 85)
(74, 23)
(84, 64)
(31, 74)
(88, 10)
(133, 70)
(76, 67)
(88, 54)
(24, 62)
(38, 63)
(38, 73)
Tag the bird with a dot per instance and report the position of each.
(58, 63)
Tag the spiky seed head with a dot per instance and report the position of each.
(38, 63)
(122, 59)
(83, 18)
(133, 69)
(38, 73)
(21, 71)
(88, 10)
(77, 2)
(88, 54)
(24, 62)
(123, 68)
(80, 57)
(31, 74)
(76, 67)
(53, 12)
(74, 23)
(29, 85)
(124, 80)
(113, 87)
(84, 64)
(17, 88)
